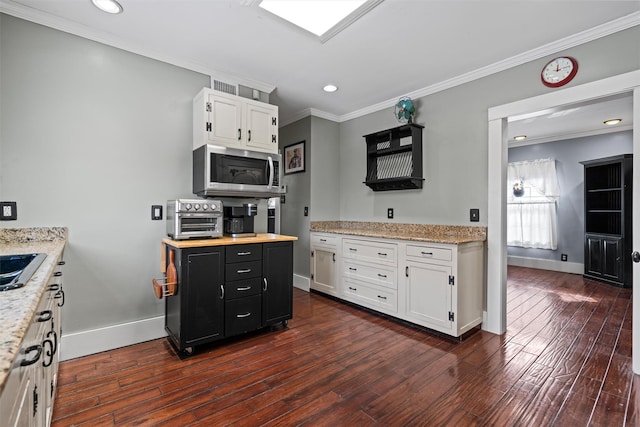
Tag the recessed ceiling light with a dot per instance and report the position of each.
(330, 88)
(612, 122)
(109, 6)
(520, 137)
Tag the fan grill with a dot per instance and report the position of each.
(391, 166)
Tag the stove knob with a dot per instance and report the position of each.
(213, 207)
(196, 206)
(205, 206)
(187, 206)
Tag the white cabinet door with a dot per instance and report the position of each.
(261, 126)
(226, 119)
(428, 294)
(323, 264)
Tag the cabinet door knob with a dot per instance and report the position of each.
(635, 256)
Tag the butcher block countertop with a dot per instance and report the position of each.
(225, 241)
(450, 234)
(18, 306)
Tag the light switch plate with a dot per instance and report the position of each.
(8, 211)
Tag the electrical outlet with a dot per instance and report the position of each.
(156, 212)
(563, 257)
(474, 215)
(390, 213)
(8, 211)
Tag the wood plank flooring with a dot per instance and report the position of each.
(565, 361)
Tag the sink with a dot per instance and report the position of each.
(16, 270)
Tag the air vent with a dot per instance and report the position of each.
(225, 87)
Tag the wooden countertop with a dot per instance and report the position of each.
(225, 241)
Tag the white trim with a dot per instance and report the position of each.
(586, 36)
(301, 282)
(497, 165)
(571, 135)
(102, 339)
(67, 26)
(546, 264)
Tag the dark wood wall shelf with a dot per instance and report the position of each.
(394, 158)
(607, 211)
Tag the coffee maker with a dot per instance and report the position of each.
(238, 220)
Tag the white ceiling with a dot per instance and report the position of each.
(401, 47)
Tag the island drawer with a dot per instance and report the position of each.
(243, 315)
(243, 288)
(243, 270)
(241, 253)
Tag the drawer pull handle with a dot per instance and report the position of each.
(45, 316)
(248, 270)
(334, 257)
(240, 316)
(244, 288)
(221, 292)
(353, 289)
(381, 297)
(353, 249)
(353, 269)
(57, 274)
(382, 254)
(266, 285)
(406, 271)
(244, 253)
(323, 240)
(38, 349)
(384, 276)
(60, 295)
(54, 287)
(426, 253)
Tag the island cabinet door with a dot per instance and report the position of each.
(428, 295)
(277, 290)
(204, 309)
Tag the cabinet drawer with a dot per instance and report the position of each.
(240, 253)
(377, 274)
(377, 252)
(243, 288)
(243, 315)
(370, 296)
(429, 252)
(243, 270)
(324, 240)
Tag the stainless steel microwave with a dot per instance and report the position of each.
(222, 171)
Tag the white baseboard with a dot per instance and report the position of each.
(547, 264)
(301, 282)
(103, 339)
(97, 340)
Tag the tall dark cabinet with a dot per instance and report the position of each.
(608, 223)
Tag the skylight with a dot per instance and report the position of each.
(324, 18)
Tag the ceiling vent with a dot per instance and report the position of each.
(225, 87)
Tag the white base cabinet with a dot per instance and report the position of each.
(439, 286)
(235, 122)
(324, 263)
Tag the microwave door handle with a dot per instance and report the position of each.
(270, 172)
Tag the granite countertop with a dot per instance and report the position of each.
(451, 234)
(18, 306)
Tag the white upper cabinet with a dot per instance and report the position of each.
(235, 122)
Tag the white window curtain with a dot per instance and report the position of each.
(533, 193)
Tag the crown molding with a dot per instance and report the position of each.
(86, 32)
(586, 36)
(569, 135)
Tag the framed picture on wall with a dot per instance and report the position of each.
(294, 158)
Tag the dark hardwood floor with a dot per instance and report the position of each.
(565, 361)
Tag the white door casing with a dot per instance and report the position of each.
(495, 319)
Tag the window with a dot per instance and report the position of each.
(533, 193)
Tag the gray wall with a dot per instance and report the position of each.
(293, 221)
(568, 155)
(92, 136)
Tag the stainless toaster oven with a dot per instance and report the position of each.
(194, 219)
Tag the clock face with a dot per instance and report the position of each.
(559, 71)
